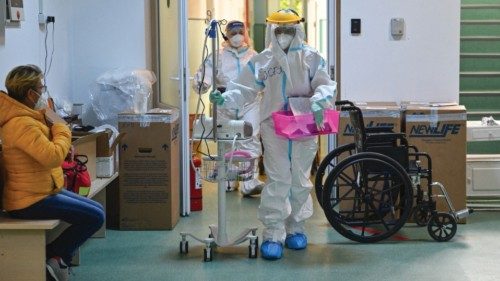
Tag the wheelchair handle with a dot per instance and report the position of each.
(344, 102)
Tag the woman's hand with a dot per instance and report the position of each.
(52, 118)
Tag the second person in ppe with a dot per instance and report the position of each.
(288, 70)
(233, 57)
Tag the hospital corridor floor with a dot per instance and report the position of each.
(473, 254)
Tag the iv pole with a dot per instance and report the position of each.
(218, 233)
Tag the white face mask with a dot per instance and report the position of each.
(43, 101)
(284, 40)
(237, 40)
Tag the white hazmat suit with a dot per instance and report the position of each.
(301, 72)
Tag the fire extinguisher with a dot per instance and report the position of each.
(195, 188)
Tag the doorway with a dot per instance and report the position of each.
(180, 36)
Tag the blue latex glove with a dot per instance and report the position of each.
(317, 109)
(216, 97)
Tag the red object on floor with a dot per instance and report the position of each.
(196, 197)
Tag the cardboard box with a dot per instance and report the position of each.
(149, 196)
(440, 131)
(105, 166)
(86, 145)
(105, 154)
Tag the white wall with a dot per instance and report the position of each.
(422, 66)
(91, 37)
(24, 44)
(94, 36)
(105, 35)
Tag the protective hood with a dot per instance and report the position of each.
(238, 52)
(10, 108)
(293, 58)
(241, 49)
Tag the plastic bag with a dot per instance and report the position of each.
(119, 91)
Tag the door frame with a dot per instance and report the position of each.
(183, 75)
(333, 58)
(333, 31)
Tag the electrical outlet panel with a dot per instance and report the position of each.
(15, 10)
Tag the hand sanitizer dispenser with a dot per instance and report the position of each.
(397, 27)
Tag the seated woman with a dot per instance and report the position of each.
(35, 142)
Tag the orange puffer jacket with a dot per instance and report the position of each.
(32, 154)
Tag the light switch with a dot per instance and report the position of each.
(397, 27)
(355, 26)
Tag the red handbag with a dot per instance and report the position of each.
(76, 175)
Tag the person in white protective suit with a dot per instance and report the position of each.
(233, 57)
(287, 70)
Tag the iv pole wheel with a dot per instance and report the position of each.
(184, 246)
(207, 254)
(252, 248)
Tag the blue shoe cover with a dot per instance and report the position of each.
(271, 250)
(296, 241)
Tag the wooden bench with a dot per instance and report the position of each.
(22, 242)
(22, 248)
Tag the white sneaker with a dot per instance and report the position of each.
(57, 269)
(252, 187)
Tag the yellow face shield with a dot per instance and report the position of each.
(284, 17)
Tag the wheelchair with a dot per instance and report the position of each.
(370, 188)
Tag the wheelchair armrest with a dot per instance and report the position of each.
(344, 102)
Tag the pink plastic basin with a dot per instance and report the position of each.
(300, 126)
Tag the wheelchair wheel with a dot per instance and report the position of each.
(442, 227)
(367, 197)
(330, 160)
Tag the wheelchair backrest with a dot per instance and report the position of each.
(376, 139)
(358, 125)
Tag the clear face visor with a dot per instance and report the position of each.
(288, 30)
(234, 31)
